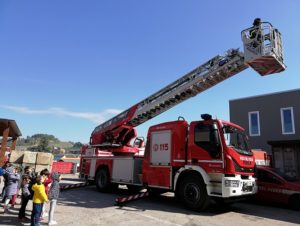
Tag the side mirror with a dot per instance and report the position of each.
(139, 142)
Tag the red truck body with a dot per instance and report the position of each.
(179, 157)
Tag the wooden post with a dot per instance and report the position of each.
(14, 144)
(3, 145)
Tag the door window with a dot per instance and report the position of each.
(207, 137)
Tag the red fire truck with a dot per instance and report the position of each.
(198, 161)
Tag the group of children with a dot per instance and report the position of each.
(41, 189)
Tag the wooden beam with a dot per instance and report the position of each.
(3, 145)
(14, 144)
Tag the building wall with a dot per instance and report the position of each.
(286, 158)
(269, 116)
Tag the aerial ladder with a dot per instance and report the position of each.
(263, 53)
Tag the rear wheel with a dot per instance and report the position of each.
(193, 193)
(102, 180)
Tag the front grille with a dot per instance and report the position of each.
(242, 169)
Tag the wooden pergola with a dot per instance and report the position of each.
(9, 131)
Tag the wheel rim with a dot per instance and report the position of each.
(192, 193)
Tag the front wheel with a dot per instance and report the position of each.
(193, 193)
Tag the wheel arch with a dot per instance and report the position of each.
(188, 171)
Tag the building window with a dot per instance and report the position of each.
(254, 126)
(287, 120)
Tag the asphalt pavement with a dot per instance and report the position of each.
(87, 206)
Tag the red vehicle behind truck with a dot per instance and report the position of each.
(273, 185)
(206, 159)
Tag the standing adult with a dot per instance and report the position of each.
(12, 186)
(255, 32)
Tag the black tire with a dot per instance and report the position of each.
(193, 194)
(295, 202)
(102, 180)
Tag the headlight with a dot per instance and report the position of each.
(232, 183)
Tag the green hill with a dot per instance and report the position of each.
(46, 143)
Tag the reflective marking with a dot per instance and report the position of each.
(209, 161)
(278, 190)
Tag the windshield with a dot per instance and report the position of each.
(237, 139)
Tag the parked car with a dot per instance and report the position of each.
(275, 187)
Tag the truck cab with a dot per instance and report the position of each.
(207, 158)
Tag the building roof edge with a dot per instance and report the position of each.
(267, 94)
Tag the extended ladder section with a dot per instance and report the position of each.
(198, 80)
(263, 49)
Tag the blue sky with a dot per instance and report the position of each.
(66, 66)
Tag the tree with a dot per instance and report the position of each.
(77, 145)
(43, 145)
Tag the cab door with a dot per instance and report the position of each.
(205, 148)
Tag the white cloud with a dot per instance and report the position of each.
(94, 117)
